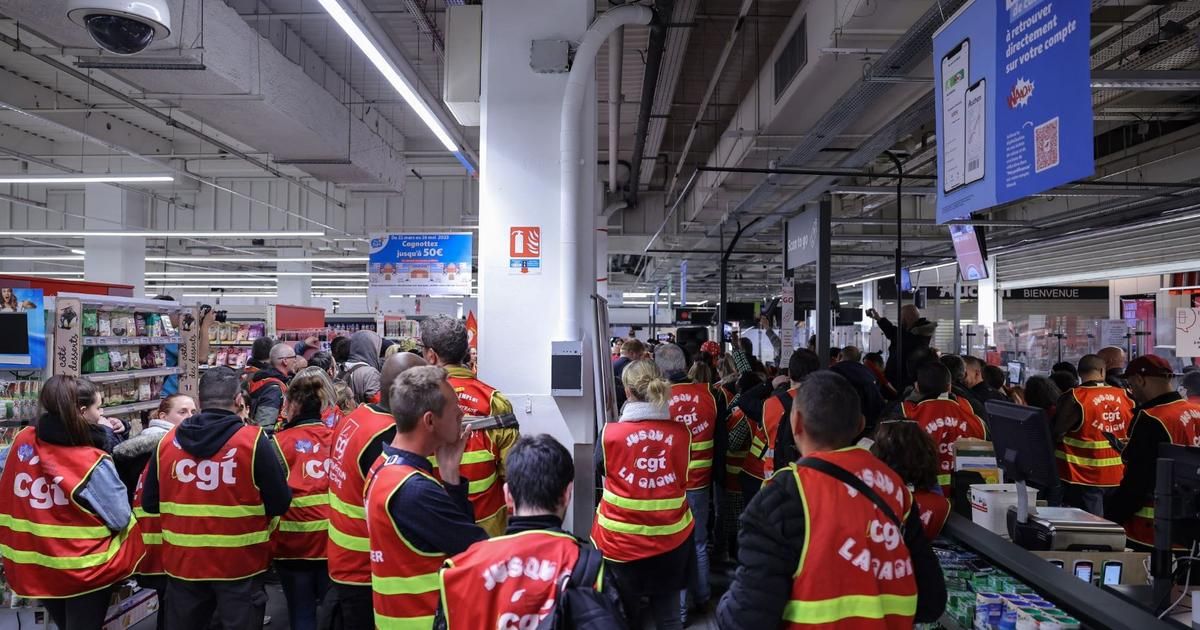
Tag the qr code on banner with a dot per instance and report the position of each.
(1045, 142)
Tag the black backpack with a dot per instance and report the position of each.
(579, 606)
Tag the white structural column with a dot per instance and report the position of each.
(115, 259)
(519, 186)
(989, 300)
(294, 290)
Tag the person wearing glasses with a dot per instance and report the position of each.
(268, 387)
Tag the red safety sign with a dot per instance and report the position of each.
(525, 242)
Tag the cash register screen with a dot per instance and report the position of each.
(1021, 437)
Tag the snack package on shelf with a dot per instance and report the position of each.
(156, 385)
(241, 360)
(18, 402)
(95, 360)
(257, 330)
(129, 390)
(135, 357)
(145, 392)
(90, 323)
(104, 324)
(222, 357)
(122, 323)
(212, 332)
(168, 327)
(118, 361)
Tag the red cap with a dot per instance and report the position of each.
(710, 347)
(1149, 365)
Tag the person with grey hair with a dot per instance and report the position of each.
(790, 561)
(699, 407)
(446, 346)
(416, 520)
(268, 387)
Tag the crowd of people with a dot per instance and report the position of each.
(352, 476)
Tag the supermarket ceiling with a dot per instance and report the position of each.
(269, 119)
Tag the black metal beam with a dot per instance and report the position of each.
(663, 10)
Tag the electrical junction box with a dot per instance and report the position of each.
(550, 56)
(464, 46)
(566, 368)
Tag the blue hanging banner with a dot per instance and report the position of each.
(1013, 102)
(421, 264)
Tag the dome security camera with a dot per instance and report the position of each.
(124, 27)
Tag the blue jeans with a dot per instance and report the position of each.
(701, 503)
(304, 589)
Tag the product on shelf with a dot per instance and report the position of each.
(18, 401)
(239, 333)
(981, 596)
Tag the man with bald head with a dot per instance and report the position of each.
(1114, 366)
(359, 441)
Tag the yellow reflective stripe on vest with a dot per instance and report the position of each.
(55, 531)
(297, 527)
(733, 470)
(644, 530)
(414, 585)
(65, 563)
(219, 511)
(348, 510)
(152, 539)
(700, 463)
(1146, 512)
(944, 480)
(1089, 461)
(700, 446)
(349, 541)
(141, 513)
(403, 623)
(215, 540)
(643, 505)
(848, 607)
(475, 487)
(1086, 444)
(312, 500)
(477, 457)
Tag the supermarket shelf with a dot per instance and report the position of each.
(131, 341)
(148, 405)
(110, 377)
(124, 303)
(948, 623)
(231, 344)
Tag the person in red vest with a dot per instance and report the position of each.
(414, 519)
(357, 444)
(1162, 417)
(298, 544)
(475, 594)
(643, 524)
(945, 418)
(1189, 386)
(703, 411)
(217, 485)
(911, 453)
(781, 444)
(815, 551)
(267, 387)
(66, 524)
(446, 346)
(1086, 418)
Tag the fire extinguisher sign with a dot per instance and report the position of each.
(525, 250)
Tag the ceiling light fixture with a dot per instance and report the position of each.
(866, 280)
(366, 44)
(78, 251)
(215, 288)
(221, 295)
(238, 259)
(47, 274)
(328, 274)
(40, 258)
(158, 234)
(84, 178)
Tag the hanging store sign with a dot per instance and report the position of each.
(886, 289)
(803, 235)
(787, 324)
(1187, 332)
(1013, 102)
(421, 264)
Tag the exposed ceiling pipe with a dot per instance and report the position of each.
(654, 54)
(571, 163)
(427, 27)
(168, 120)
(713, 81)
(616, 55)
(674, 56)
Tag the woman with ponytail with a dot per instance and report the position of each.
(643, 525)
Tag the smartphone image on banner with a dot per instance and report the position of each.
(955, 79)
(1083, 570)
(1112, 572)
(976, 131)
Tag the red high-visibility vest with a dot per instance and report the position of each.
(303, 530)
(694, 405)
(480, 464)
(1084, 455)
(934, 510)
(643, 510)
(54, 547)
(149, 529)
(773, 417)
(946, 421)
(735, 460)
(1181, 420)
(856, 571)
(755, 462)
(507, 582)
(214, 524)
(348, 551)
(404, 579)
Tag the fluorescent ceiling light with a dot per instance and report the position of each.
(221, 295)
(42, 273)
(215, 289)
(1107, 274)
(259, 259)
(866, 280)
(933, 267)
(233, 274)
(337, 281)
(340, 295)
(84, 178)
(206, 281)
(78, 251)
(159, 234)
(41, 258)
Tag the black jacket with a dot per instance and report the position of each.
(769, 547)
(1140, 456)
(266, 398)
(973, 400)
(203, 435)
(916, 350)
(867, 386)
(984, 393)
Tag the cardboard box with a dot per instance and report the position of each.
(990, 503)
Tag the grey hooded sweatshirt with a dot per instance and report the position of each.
(362, 368)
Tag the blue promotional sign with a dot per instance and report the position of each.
(421, 264)
(1012, 84)
(22, 330)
